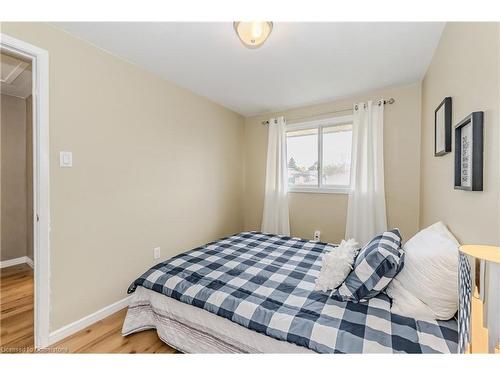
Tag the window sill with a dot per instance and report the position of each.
(338, 190)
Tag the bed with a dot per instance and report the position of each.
(254, 293)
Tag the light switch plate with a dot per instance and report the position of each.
(65, 159)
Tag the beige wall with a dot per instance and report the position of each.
(13, 178)
(466, 67)
(327, 212)
(153, 165)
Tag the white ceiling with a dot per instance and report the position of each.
(15, 76)
(300, 63)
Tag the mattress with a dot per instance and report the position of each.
(265, 284)
(193, 330)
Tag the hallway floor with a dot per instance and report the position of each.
(16, 307)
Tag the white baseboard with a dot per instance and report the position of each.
(86, 321)
(16, 261)
(29, 262)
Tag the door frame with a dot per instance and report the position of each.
(41, 220)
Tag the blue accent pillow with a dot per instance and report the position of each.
(375, 266)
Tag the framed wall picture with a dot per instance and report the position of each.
(469, 153)
(442, 128)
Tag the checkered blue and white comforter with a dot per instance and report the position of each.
(266, 283)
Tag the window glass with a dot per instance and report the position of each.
(302, 156)
(336, 158)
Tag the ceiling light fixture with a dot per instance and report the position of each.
(253, 34)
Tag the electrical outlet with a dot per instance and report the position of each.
(317, 235)
(156, 252)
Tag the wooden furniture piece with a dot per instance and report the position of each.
(478, 334)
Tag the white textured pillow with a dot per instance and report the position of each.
(336, 265)
(430, 274)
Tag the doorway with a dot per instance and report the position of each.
(24, 224)
(16, 203)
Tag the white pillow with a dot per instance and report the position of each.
(430, 274)
(336, 265)
(406, 304)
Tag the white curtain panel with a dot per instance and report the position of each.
(275, 218)
(366, 214)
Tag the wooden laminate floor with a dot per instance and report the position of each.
(16, 308)
(16, 324)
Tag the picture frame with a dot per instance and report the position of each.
(469, 153)
(442, 128)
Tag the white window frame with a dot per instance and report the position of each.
(320, 124)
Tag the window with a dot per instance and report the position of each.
(319, 155)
